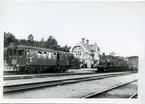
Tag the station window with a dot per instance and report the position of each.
(20, 52)
(79, 53)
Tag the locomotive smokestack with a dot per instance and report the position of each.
(83, 40)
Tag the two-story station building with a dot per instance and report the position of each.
(87, 53)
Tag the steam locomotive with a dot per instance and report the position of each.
(109, 63)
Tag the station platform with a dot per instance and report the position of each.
(76, 90)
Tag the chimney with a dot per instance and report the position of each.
(83, 40)
(87, 41)
(103, 54)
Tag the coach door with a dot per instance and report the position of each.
(21, 57)
(9, 56)
(58, 59)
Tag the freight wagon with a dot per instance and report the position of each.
(133, 62)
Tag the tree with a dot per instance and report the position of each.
(66, 48)
(23, 42)
(8, 38)
(112, 53)
(42, 43)
(30, 38)
(51, 43)
(74, 62)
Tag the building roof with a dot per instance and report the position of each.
(89, 47)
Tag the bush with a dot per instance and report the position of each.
(74, 62)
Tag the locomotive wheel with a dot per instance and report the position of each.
(38, 70)
(57, 69)
(66, 69)
(22, 70)
(105, 70)
(63, 69)
(30, 71)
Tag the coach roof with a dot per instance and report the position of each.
(38, 48)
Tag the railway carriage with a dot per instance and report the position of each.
(29, 59)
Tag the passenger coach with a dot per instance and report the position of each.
(29, 59)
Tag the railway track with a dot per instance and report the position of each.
(15, 77)
(134, 95)
(94, 95)
(32, 85)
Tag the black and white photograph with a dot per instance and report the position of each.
(72, 50)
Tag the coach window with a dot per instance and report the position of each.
(39, 54)
(44, 55)
(20, 52)
(49, 55)
(28, 53)
(61, 57)
(54, 55)
(65, 57)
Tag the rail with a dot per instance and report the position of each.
(27, 86)
(106, 90)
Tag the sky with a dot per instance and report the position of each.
(114, 26)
